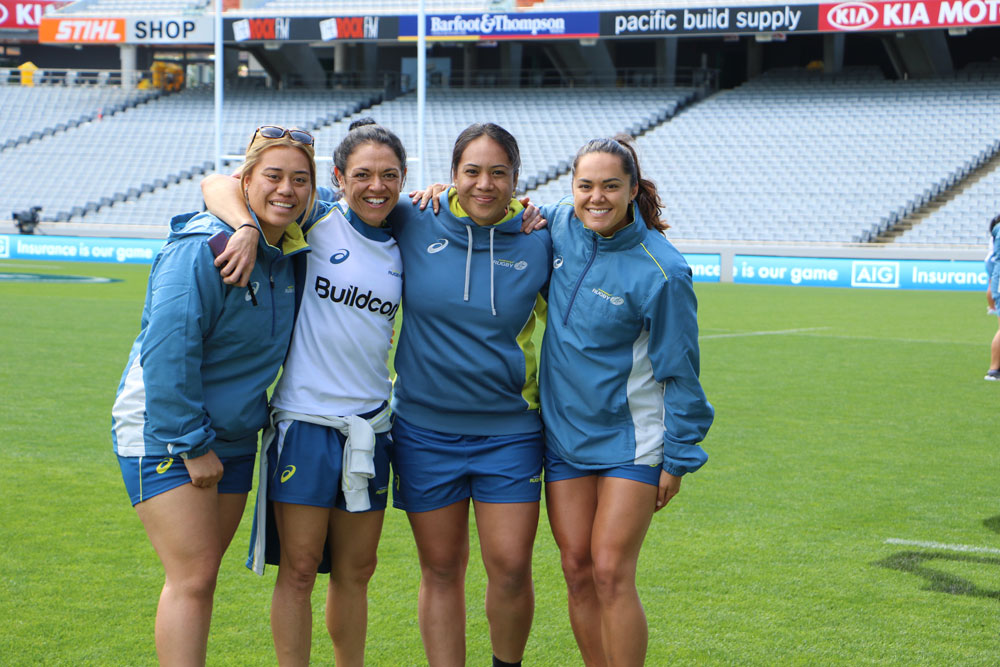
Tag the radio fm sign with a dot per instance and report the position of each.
(349, 27)
(861, 16)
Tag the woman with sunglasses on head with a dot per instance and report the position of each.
(193, 395)
(623, 407)
(330, 406)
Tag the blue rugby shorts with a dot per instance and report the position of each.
(304, 467)
(432, 470)
(557, 469)
(148, 476)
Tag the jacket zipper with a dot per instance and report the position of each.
(579, 281)
(274, 306)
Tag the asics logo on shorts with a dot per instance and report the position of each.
(438, 246)
(287, 473)
(164, 465)
(340, 256)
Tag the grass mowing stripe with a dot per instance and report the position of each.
(945, 547)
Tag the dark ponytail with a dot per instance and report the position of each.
(646, 197)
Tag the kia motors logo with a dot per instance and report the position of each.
(3, 14)
(852, 16)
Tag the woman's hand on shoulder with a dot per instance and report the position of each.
(532, 218)
(205, 470)
(430, 195)
(237, 260)
(669, 486)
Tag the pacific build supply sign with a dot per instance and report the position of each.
(710, 20)
(894, 274)
(79, 249)
(467, 27)
(915, 14)
(25, 15)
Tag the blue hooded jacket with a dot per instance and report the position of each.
(198, 372)
(465, 362)
(619, 366)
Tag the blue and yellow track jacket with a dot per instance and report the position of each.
(620, 361)
(465, 362)
(198, 372)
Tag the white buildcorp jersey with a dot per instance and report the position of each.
(338, 361)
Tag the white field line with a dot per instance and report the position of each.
(743, 334)
(811, 332)
(944, 547)
(918, 341)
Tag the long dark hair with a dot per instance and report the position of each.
(646, 197)
(494, 132)
(365, 131)
(994, 222)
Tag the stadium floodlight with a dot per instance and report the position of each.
(26, 221)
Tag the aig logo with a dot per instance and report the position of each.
(875, 274)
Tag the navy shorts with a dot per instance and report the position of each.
(304, 467)
(432, 470)
(556, 470)
(148, 476)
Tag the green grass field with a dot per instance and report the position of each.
(846, 419)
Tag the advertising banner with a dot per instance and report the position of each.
(705, 268)
(79, 249)
(960, 275)
(81, 31)
(16, 15)
(311, 29)
(711, 20)
(908, 14)
(462, 27)
(170, 30)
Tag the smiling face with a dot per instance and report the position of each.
(485, 180)
(278, 188)
(371, 181)
(602, 193)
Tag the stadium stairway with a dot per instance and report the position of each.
(985, 175)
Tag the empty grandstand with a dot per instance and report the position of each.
(887, 138)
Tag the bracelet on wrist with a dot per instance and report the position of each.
(248, 224)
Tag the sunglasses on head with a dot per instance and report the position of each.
(275, 132)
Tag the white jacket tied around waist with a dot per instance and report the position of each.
(358, 465)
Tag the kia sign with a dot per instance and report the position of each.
(25, 15)
(909, 14)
